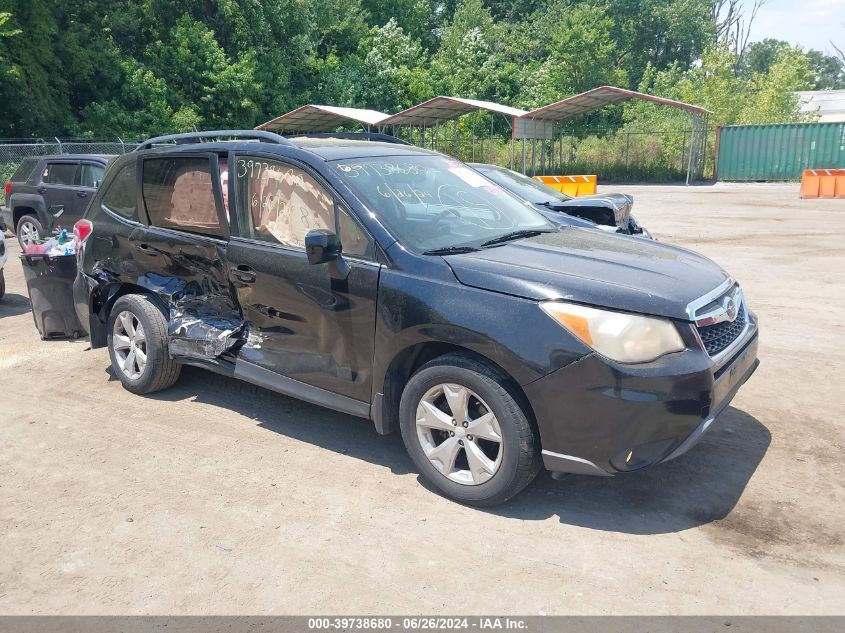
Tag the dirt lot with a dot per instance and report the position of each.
(219, 497)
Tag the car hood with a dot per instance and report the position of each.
(564, 219)
(619, 203)
(587, 266)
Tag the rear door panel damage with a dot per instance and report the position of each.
(190, 277)
(184, 265)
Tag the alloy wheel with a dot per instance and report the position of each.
(129, 343)
(28, 233)
(459, 434)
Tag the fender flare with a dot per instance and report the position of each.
(31, 201)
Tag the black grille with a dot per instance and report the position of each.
(718, 336)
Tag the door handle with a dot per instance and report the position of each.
(244, 274)
(81, 194)
(42, 189)
(147, 249)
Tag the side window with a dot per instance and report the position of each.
(90, 175)
(24, 170)
(354, 241)
(280, 203)
(60, 173)
(178, 195)
(121, 196)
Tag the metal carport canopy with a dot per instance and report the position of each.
(598, 98)
(321, 118)
(444, 109)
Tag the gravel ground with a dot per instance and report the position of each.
(217, 497)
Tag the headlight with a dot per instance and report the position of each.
(626, 338)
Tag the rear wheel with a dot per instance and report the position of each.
(137, 342)
(467, 432)
(29, 231)
(2, 284)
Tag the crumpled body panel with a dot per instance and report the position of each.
(203, 321)
(190, 278)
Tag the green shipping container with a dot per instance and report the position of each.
(779, 152)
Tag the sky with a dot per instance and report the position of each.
(811, 23)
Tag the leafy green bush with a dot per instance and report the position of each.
(6, 171)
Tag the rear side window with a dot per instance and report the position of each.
(60, 173)
(178, 194)
(24, 170)
(90, 175)
(121, 196)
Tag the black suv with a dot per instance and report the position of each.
(47, 192)
(397, 284)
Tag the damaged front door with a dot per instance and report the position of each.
(181, 254)
(306, 322)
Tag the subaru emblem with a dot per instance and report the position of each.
(730, 308)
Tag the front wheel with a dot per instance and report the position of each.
(2, 284)
(137, 342)
(467, 432)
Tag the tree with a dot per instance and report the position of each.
(582, 53)
(34, 95)
(659, 33)
(468, 15)
(416, 17)
(759, 98)
(760, 56)
(772, 97)
(203, 78)
(471, 61)
(828, 70)
(396, 76)
(135, 67)
(733, 20)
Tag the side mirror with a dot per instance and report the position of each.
(322, 246)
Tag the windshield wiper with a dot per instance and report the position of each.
(451, 250)
(515, 235)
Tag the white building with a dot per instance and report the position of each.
(828, 104)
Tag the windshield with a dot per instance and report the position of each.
(432, 203)
(523, 186)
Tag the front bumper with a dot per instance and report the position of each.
(602, 418)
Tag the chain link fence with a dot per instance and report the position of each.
(13, 151)
(613, 155)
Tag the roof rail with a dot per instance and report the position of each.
(368, 136)
(200, 137)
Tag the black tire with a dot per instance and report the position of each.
(160, 370)
(520, 461)
(29, 220)
(2, 284)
